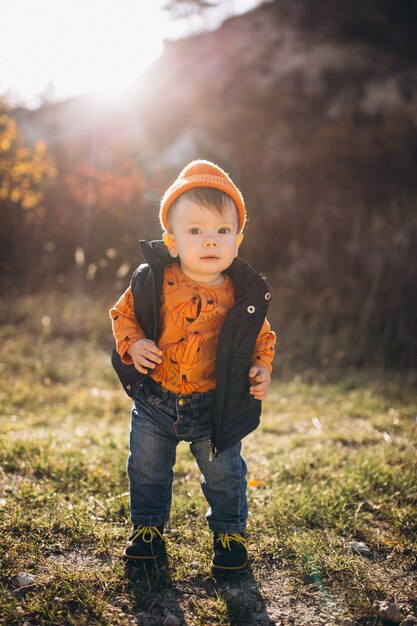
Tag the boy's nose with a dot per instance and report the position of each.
(210, 240)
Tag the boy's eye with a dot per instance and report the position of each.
(224, 230)
(195, 231)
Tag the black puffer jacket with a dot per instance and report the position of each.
(235, 412)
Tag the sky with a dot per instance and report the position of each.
(54, 49)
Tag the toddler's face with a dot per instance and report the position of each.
(205, 240)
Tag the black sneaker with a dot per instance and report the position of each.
(145, 542)
(230, 551)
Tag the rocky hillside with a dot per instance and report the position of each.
(278, 90)
(312, 108)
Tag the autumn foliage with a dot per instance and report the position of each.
(64, 216)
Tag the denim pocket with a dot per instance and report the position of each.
(154, 400)
(145, 393)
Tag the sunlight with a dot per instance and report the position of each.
(117, 43)
(98, 46)
(53, 50)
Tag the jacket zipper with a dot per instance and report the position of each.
(155, 320)
(155, 305)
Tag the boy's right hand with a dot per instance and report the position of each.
(145, 355)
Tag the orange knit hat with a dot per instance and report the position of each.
(202, 174)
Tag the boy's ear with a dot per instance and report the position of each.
(169, 241)
(239, 239)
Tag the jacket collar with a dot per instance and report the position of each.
(242, 275)
(155, 252)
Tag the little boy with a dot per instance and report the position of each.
(194, 351)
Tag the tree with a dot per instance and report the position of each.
(23, 171)
(25, 175)
(185, 8)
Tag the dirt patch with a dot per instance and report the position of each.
(240, 599)
(269, 598)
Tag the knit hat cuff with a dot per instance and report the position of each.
(202, 180)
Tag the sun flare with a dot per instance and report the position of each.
(98, 46)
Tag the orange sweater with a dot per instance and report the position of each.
(192, 315)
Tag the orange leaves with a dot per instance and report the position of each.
(4, 144)
(104, 190)
(256, 483)
(8, 132)
(24, 172)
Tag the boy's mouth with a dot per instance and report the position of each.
(209, 257)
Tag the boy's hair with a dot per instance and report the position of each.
(214, 199)
(202, 173)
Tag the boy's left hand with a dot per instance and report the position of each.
(260, 382)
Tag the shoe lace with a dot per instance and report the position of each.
(226, 538)
(147, 533)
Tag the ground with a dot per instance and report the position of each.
(333, 462)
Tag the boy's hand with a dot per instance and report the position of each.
(145, 355)
(260, 382)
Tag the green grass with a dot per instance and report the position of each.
(332, 462)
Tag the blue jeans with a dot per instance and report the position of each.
(160, 420)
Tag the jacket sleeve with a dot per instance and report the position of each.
(125, 327)
(264, 351)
